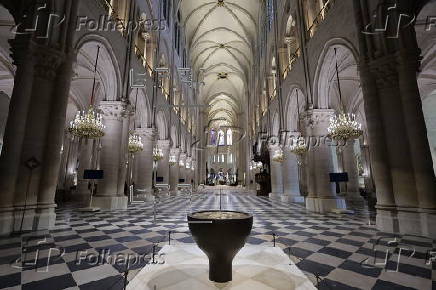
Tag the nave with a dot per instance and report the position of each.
(328, 248)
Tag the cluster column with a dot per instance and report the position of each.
(276, 174)
(109, 196)
(174, 171)
(163, 169)
(144, 161)
(322, 193)
(350, 166)
(291, 175)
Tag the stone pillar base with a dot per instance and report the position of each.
(294, 197)
(386, 219)
(409, 221)
(6, 221)
(324, 205)
(110, 202)
(25, 217)
(275, 195)
(428, 221)
(45, 217)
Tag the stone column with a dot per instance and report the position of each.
(350, 166)
(291, 178)
(163, 168)
(144, 161)
(399, 150)
(124, 149)
(182, 170)
(367, 170)
(85, 162)
(386, 207)
(174, 171)
(108, 195)
(15, 130)
(416, 133)
(35, 189)
(322, 193)
(276, 175)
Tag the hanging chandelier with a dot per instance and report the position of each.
(172, 160)
(299, 146)
(255, 165)
(188, 163)
(181, 163)
(343, 126)
(278, 155)
(135, 143)
(87, 124)
(157, 154)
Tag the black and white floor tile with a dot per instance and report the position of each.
(89, 250)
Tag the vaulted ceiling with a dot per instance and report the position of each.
(221, 38)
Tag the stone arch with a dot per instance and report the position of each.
(162, 125)
(325, 76)
(275, 126)
(291, 113)
(326, 92)
(174, 136)
(138, 97)
(108, 70)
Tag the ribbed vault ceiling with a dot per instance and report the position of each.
(221, 36)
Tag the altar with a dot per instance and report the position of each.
(254, 267)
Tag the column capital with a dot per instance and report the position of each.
(113, 110)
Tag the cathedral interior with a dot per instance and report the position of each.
(218, 144)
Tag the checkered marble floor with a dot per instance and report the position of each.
(105, 250)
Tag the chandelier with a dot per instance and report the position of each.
(299, 146)
(157, 154)
(135, 143)
(278, 155)
(87, 124)
(181, 163)
(343, 126)
(188, 163)
(172, 160)
(255, 165)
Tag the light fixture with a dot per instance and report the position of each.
(88, 124)
(135, 143)
(157, 154)
(172, 160)
(343, 126)
(298, 146)
(278, 155)
(188, 163)
(181, 163)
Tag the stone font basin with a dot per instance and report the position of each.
(220, 235)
